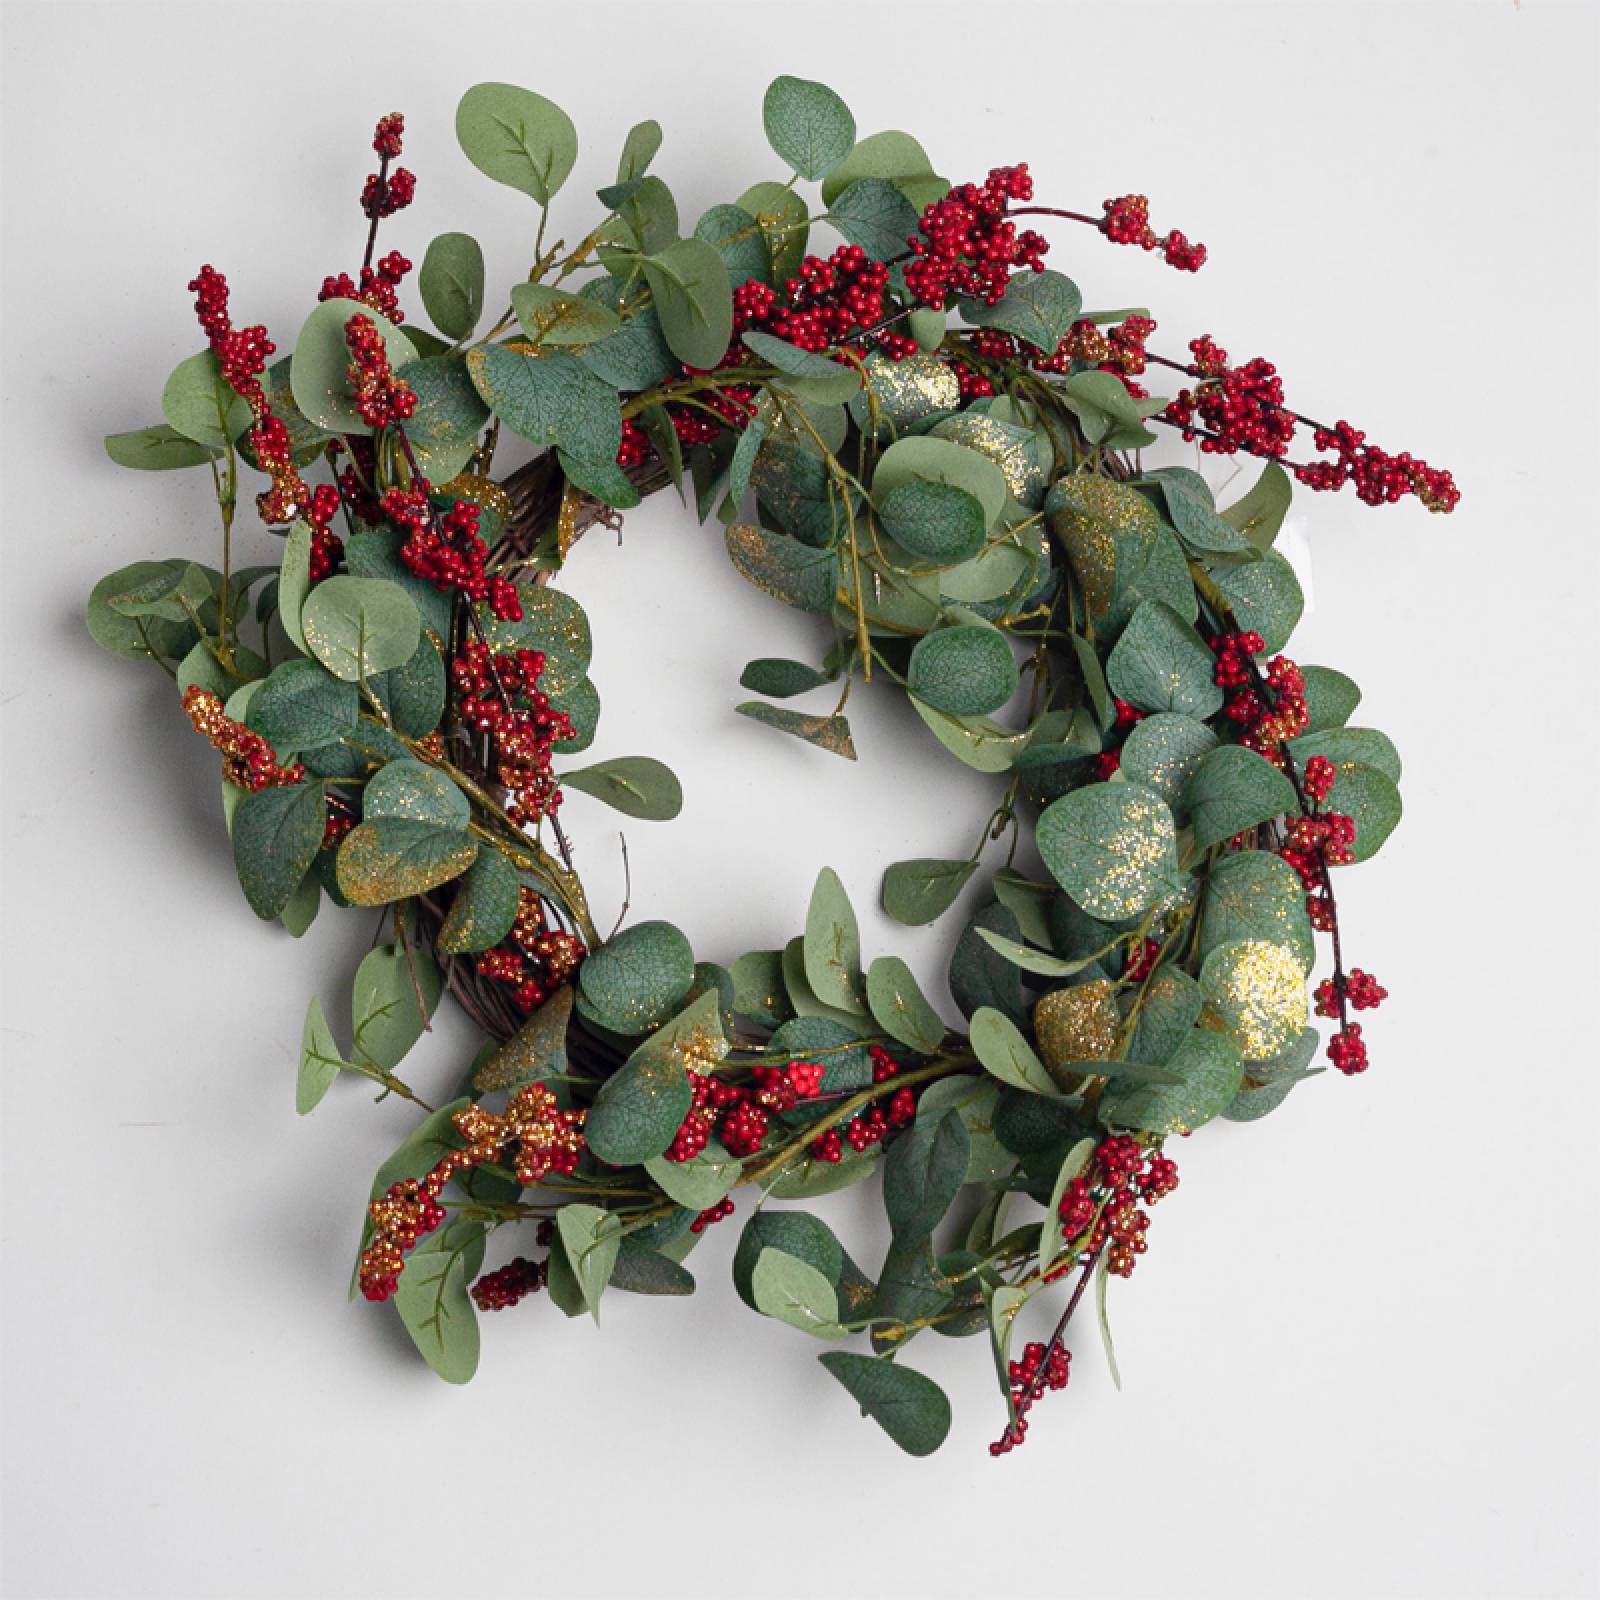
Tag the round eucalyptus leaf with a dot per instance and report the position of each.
(967, 670)
(634, 981)
(357, 627)
(319, 375)
(518, 138)
(1112, 847)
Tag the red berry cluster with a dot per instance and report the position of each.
(1270, 718)
(515, 1281)
(870, 1126)
(635, 444)
(327, 548)
(242, 355)
(381, 397)
(379, 286)
(499, 694)
(1127, 221)
(827, 300)
(720, 1212)
(1233, 408)
(540, 1137)
(967, 246)
(1242, 408)
(1378, 476)
(533, 958)
(449, 551)
(1356, 988)
(248, 760)
(1100, 1209)
(1029, 1379)
(384, 192)
(740, 1114)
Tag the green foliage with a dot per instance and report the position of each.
(1162, 753)
(518, 138)
(895, 157)
(965, 670)
(1265, 597)
(1234, 789)
(1112, 847)
(1331, 698)
(302, 706)
(1161, 664)
(808, 125)
(910, 1408)
(899, 1007)
(937, 521)
(484, 907)
(922, 1174)
(157, 449)
(924, 459)
(1209, 1068)
(433, 1301)
(320, 1060)
(551, 316)
(832, 945)
(921, 891)
(590, 1239)
(633, 982)
(451, 284)
(1371, 800)
(827, 733)
(1039, 307)
(357, 627)
(276, 835)
(781, 679)
(549, 398)
(1000, 1045)
(798, 574)
(198, 403)
(1254, 894)
(793, 1291)
(395, 991)
(874, 214)
(693, 297)
(637, 786)
(319, 375)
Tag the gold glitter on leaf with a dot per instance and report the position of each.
(908, 391)
(489, 496)
(1078, 1024)
(392, 859)
(1255, 994)
(1087, 515)
(1010, 449)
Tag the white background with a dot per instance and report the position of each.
(1359, 1359)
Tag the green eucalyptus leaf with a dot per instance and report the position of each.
(922, 1174)
(451, 284)
(693, 297)
(198, 403)
(797, 574)
(1331, 698)
(1234, 789)
(1112, 847)
(637, 786)
(518, 138)
(1000, 1045)
(434, 1304)
(549, 398)
(899, 1007)
(357, 627)
(392, 858)
(920, 891)
(590, 1239)
(484, 907)
(833, 945)
(782, 216)
(808, 125)
(276, 835)
(1161, 664)
(394, 993)
(301, 706)
(793, 1291)
(827, 733)
(1265, 597)
(320, 1060)
(1039, 307)
(1209, 1068)
(779, 678)
(634, 981)
(1162, 752)
(551, 316)
(1259, 515)
(936, 521)
(966, 670)
(157, 449)
(910, 1408)
(875, 215)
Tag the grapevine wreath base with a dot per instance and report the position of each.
(942, 451)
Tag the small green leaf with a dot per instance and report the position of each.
(808, 125)
(484, 907)
(701, 1181)
(1112, 847)
(157, 449)
(1371, 800)
(1209, 1068)
(1039, 307)
(591, 1238)
(1331, 698)
(936, 521)
(301, 706)
(930, 460)
(893, 156)
(549, 398)
(920, 891)
(410, 790)
(1234, 789)
(551, 316)
(779, 678)
(434, 1304)
(518, 138)
(798, 574)
(536, 1051)
(693, 297)
(1162, 753)
(320, 1060)
(637, 786)
(276, 835)
(899, 1007)
(966, 670)
(198, 403)
(1259, 515)
(357, 627)
(833, 945)
(390, 1001)
(999, 1044)
(793, 1291)
(1265, 596)
(451, 284)
(782, 216)
(875, 215)
(910, 1408)
(922, 1174)
(1161, 664)
(1193, 512)
(634, 981)
(979, 742)
(319, 375)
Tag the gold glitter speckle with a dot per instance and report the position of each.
(1078, 1024)
(1256, 994)
(908, 391)
(1087, 513)
(1007, 448)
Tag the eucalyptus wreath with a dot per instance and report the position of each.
(923, 440)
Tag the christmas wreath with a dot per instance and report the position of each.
(942, 450)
